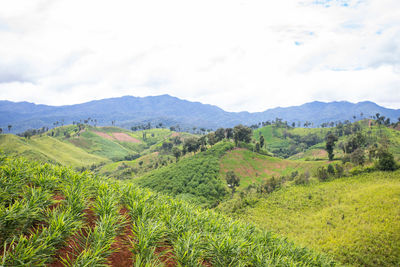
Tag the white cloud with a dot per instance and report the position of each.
(239, 55)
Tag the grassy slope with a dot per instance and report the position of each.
(355, 219)
(48, 149)
(97, 145)
(135, 167)
(274, 135)
(196, 177)
(114, 149)
(255, 168)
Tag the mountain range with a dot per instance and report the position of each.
(128, 111)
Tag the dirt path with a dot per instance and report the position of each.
(72, 248)
(123, 255)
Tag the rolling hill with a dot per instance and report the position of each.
(48, 149)
(356, 219)
(90, 146)
(352, 217)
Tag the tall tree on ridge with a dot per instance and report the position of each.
(330, 144)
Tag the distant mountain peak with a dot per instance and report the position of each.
(128, 111)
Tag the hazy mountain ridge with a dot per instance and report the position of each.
(128, 111)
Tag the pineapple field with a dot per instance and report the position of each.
(53, 216)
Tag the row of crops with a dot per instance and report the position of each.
(51, 215)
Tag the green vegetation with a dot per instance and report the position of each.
(356, 219)
(195, 178)
(135, 168)
(343, 207)
(285, 141)
(48, 149)
(160, 229)
(254, 168)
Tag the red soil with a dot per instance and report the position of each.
(125, 138)
(72, 247)
(123, 255)
(58, 197)
(319, 153)
(167, 255)
(104, 135)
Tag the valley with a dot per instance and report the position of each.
(341, 208)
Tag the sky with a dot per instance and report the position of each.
(237, 54)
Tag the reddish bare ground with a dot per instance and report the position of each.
(104, 135)
(167, 255)
(175, 134)
(72, 246)
(58, 197)
(206, 263)
(123, 255)
(125, 138)
(319, 153)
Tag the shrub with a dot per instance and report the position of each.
(331, 170)
(339, 170)
(302, 179)
(386, 161)
(358, 157)
(322, 174)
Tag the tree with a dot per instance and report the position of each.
(211, 138)
(232, 180)
(262, 141)
(1, 130)
(358, 156)
(177, 153)
(9, 127)
(331, 170)
(191, 144)
(330, 144)
(220, 134)
(242, 133)
(258, 147)
(167, 146)
(385, 161)
(229, 132)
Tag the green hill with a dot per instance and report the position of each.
(48, 149)
(133, 168)
(254, 168)
(196, 178)
(356, 219)
(50, 215)
(110, 142)
(308, 143)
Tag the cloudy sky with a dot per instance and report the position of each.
(237, 54)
